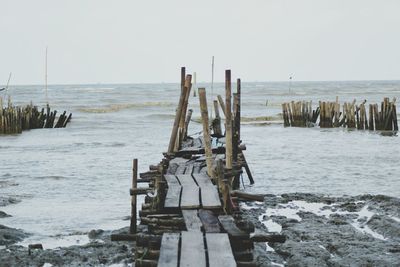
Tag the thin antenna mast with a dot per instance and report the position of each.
(47, 97)
(8, 82)
(212, 85)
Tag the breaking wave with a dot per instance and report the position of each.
(119, 107)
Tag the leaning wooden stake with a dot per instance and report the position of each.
(206, 130)
(222, 104)
(178, 114)
(187, 87)
(187, 121)
(132, 228)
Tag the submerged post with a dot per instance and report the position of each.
(206, 130)
(132, 228)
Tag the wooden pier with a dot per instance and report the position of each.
(352, 116)
(191, 211)
(15, 119)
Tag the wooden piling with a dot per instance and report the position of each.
(217, 120)
(132, 228)
(175, 128)
(187, 88)
(206, 130)
(222, 104)
(228, 120)
(187, 121)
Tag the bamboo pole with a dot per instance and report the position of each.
(174, 133)
(187, 121)
(217, 121)
(228, 120)
(206, 130)
(222, 104)
(132, 228)
(238, 110)
(187, 88)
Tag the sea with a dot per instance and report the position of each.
(75, 179)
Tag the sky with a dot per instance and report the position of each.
(103, 41)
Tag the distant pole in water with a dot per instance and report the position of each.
(47, 97)
(212, 85)
(290, 83)
(8, 83)
(194, 84)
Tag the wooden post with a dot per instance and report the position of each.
(371, 117)
(238, 109)
(222, 104)
(217, 121)
(188, 117)
(235, 137)
(206, 130)
(395, 124)
(187, 88)
(132, 228)
(228, 120)
(171, 146)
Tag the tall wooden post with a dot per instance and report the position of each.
(187, 121)
(187, 87)
(238, 110)
(206, 130)
(222, 103)
(217, 121)
(228, 120)
(172, 140)
(132, 228)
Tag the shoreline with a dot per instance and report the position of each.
(319, 228)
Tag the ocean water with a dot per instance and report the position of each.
(76, 179)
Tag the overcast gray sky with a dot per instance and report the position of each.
(99, 41)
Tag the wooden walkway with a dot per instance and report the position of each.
(191, 215)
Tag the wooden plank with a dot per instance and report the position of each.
(190, 197)
(172, 200)
(208, 192)
(169, 250)
(181, 169)
(189, 169)
(192, 250)
(228, 223)
(192, 220)
(219, 250)
(210, 221)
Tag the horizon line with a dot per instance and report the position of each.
(202, 82)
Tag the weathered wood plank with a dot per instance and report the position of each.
(219, 250)
(172, 200)
(189, 169)
(190, 197)
(192, 220)
(208, 192)
(228, 223)
(210, 221)
(181, 169)
(169, 250)
(192, 250)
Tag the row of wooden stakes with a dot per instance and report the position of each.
(352, 116)
(15, 119)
